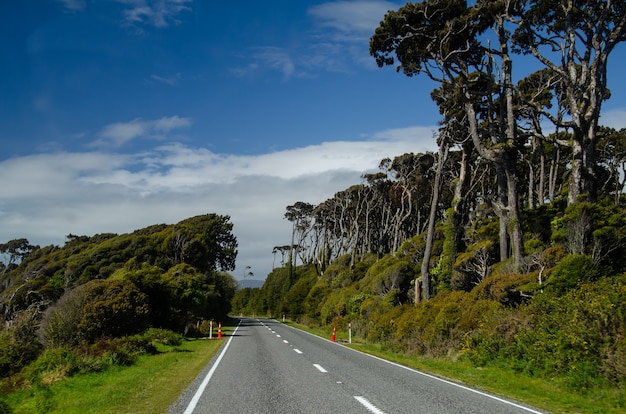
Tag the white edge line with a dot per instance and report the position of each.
(370, 407)
(205, 382)
(484, 394)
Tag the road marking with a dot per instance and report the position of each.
(205, 382)
(285, 341)
(277, 336)
(463, 387)
(298, 351)
(319, 367)
(370, 407)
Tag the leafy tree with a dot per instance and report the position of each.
(17, 250)
(205, 242)
(187, 292)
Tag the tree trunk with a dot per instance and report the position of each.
(428, 250)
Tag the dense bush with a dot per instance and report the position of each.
(112, 308)
(578, 336)
(571, 271)
(18, 344)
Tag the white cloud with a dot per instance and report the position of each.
(117, 134)
(52, 195)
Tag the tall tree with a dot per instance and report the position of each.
(574, 38)
(300, 215)
(442, 38)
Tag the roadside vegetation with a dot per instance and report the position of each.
(505, 249)
(500, 259)
(105, 302)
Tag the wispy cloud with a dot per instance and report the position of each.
(157, 13)
(168, 80)
(354, 20)
(344, 29)
(117, 134)
(74, 5)
(338, 41)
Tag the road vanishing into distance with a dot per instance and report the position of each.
(267, 367)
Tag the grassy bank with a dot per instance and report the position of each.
(149, 386)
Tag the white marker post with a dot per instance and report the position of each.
(350, 333)
(211, 330)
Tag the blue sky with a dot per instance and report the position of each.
(119, 114)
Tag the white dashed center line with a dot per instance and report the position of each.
(319, 367)
(370, 407)
(298, 351)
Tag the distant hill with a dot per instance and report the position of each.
(250, 283)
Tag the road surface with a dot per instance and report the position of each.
(268, 367)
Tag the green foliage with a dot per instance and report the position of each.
(577, 336)
(571, 271)
(244, 301)
(315, 299)
(60, 321)
(162, 336)
(390, 275)
(112, 308)
(58, 363)
(276, 286)
(18, 344)
(442, 273)
(294, 299)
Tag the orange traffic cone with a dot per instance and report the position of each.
(219, 330)
(332, 338)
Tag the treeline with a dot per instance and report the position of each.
(85, 296)
(506, 246)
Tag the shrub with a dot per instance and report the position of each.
(112, 308)
(577, 337)
(118, 351)
(570, 272)
(59, 322)
(54, 364)
(18, 344)
(163, 336)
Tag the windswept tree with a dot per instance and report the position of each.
(300, 215)
(574, 38)
(16, 250)
(445, 40)
(205, 242)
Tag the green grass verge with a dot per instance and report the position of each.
(149, 386)
(543, 394)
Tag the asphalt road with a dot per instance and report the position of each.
(267, 367)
